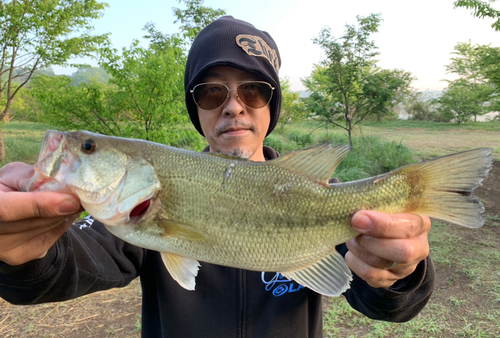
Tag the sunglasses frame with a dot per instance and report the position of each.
(232, 90)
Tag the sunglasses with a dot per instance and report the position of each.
(212, 95)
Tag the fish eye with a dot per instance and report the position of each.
(89, 146)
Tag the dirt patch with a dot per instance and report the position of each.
(116, 312)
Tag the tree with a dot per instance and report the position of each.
(90, 106)
(195, 17)
(420, 109)
(481, 9)
(292, 108)
(456, 102)
(89, 75)
(469, 67)
(350, 85)
(37, 33)
(150, 83)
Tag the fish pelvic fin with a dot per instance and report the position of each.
(318, 162)
(330, 276)
(182, 269)
(447, 184)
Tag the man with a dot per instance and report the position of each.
(233, 97)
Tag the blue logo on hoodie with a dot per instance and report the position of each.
(280, 285)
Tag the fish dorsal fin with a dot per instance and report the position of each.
(180, 230)
(316, 162)
(329, 276)
(182, 269)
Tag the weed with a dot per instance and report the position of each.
(138, 322)
(110, 331)
(456, 302)
(29, 328)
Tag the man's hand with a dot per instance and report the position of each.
(389, 247)
(30, 222)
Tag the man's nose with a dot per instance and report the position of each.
(234, 106)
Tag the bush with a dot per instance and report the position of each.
(275, 143)
(300, 138)
(369, 157)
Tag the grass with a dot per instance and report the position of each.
(23, 140)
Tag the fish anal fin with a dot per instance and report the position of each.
(180, 230)
(182, 269)
(318, 162)
(330, 276)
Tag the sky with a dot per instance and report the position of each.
(416, 36)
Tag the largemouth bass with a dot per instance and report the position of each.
(280, 215)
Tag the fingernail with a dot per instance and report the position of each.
(361, 223)
(68, 206)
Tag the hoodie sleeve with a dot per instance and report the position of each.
(86, 259)
(398, 303)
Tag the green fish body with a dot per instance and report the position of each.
(280, 215)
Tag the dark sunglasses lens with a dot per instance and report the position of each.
(210, 96)
(255, 94)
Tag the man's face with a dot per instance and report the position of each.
(234, 128)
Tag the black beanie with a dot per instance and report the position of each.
(231, 42)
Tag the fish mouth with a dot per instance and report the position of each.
(140, 209)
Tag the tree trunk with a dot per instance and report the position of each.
(349, 130)
(2, 148)
(3, 115)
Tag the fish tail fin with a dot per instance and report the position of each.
(447, 183)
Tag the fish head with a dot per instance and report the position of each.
(115, 184)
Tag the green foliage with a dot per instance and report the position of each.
(471, 95)
(149, 84)
(456, 103)
(347, 86)
(370, 155)
(89, 106)
(301, 138)
(35, 34)
(292, 108)
(137, 92)
(419, 109)
(90, 75)
(195, 17)
(481, 9)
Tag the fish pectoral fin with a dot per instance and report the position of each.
(181, 230)
(182, 269)
(318, 162)
(330, 276)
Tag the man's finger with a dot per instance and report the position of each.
(377, 278)
(15, 175)
(367, 256)
(381, 225)
(396, 250)
(36, 247)
(16, 206)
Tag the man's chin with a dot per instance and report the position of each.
(239, 152)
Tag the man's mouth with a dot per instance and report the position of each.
(235, 132)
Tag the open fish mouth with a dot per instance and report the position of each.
(140, 209)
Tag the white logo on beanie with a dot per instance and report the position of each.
(256, 46)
